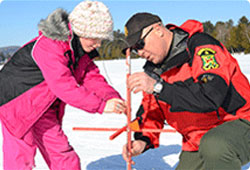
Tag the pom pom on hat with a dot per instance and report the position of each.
(92, 19)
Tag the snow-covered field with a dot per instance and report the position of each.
(95, 149)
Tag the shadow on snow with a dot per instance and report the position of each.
(150, 160)
(162, 158)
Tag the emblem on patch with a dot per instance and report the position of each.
(208, 58)
(125, 31)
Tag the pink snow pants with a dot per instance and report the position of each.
(47, 135)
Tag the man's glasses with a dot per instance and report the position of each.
(141, 43)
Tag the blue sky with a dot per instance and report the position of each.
(19, 18)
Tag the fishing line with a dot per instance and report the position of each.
(108, 47)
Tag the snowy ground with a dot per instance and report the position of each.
(95, 149)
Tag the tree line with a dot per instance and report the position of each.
(236, 38)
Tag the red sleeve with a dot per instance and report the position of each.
(151, 118)
(211, 59)
(208, 85)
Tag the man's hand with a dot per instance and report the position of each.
(115, 105)
(140, 81)
(136, 149)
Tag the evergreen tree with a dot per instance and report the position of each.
(244, 29)
(208, 27)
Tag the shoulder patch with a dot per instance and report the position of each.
(208, 58)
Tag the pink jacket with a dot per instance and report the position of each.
(85, 88)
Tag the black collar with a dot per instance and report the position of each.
(77, 47)
(78, 50)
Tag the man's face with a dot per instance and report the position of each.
(89, 44)
(154, 49)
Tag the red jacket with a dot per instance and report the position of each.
(203, 87)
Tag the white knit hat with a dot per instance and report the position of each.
(92, 19)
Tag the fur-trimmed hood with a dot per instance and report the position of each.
(55, 26)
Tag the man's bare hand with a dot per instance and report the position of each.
(136, 149)
(140, 81)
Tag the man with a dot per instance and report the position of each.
(191, 81)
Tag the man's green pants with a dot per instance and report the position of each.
(226, 147)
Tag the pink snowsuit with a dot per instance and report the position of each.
(41, 77)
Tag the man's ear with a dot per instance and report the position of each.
(159, 31)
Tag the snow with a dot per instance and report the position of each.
(95, 149)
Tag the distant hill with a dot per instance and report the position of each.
(6, 53)
(9, 50)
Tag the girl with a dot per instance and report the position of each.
(52, 70)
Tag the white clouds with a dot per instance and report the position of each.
(248, 1)
(1, 1)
